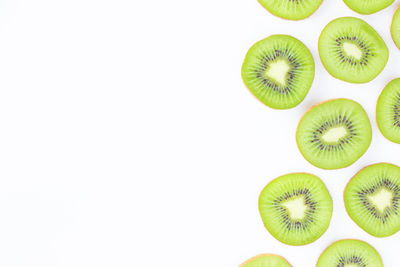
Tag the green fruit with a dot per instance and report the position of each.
(395, 28)
(296, 208)
(334, 134)
(352, 51)
(388, 111)
(266, 260)
(367, 7)
(289, 9)
(279, 71)
(372, 199)
(350, 253)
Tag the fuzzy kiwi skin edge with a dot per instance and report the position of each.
(263, 255)
(290, 19)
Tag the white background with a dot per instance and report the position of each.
(127, 137)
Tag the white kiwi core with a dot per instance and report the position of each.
(350, 265)
(352, 50)
(333, 135)
(278, 71)
(296, 208)
(382, 199)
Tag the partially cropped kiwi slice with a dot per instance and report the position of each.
(296, 208)
(279, 71)
(367, 7)
(395, 28)
(388, 111)
(351, 50)
(266, 260)
(372, 199)
(291, 9)
(334, 134)
(350, 253)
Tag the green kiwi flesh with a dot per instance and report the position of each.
(279, 71)
(395, 28)
(296, 208)
(372, 199)
(388, 111)
(334, 134)
(367, 7)
(349, 252)
(266, 260)
(351, 50)
(291, 9)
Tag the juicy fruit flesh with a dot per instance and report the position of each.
(395, 28)
(334, 134)
(290, 9)
(266, 260)
(388, 111)
(372, 199)
(279, 71)
(351, 50)
(350, 253)
(367, 6)
(296, 208)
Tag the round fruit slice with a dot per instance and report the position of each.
(350, 253)
(279, 71)
(296, 208)
(388, 111)
(334, 134)
(266, 260)
(395, 29)
(372, 199)
(367, 7)
(352, 51)
(289, 9)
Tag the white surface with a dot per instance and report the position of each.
(128, 138)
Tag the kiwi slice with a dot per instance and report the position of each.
(350, 253)
(266, 260)
(367, 7)
(334, 134)
(372, 199)
(395, 28)
(388, 111)
(351, 50)
(291, 9)
(296, 208)
(279, 71)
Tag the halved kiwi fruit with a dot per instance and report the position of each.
(367, 7)
(296, 208)
(395, 28)
(334, 134)
(351, 50)
(279, 71)
(291, 9)
(372, 199)
(388, 111)
(266, 260)
(350, 253)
